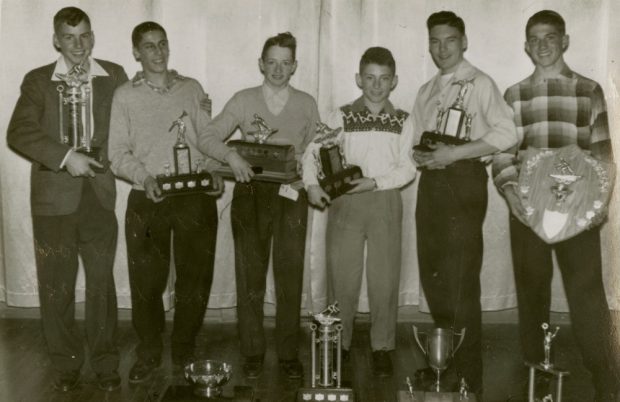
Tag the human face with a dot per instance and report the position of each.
(376, 82)
(546, 45)
(446, 45)
(278, 66)
(153, 52)
(74, 43)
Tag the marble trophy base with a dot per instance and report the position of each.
(185, 393)
(432, 138)
(421, 396)
(339, 183)
(184, 184)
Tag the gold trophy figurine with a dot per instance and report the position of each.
(182, 158)
(263, 131)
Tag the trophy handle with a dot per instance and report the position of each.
(417, 339)
(462, 337)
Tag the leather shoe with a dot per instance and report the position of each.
(142, 370)
(292, 368)
(109, 381)
(253, 367)
(381, 363)
(67, 380)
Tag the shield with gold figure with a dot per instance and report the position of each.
(564, 191)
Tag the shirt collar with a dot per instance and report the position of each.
(173, 78)
(271, 93)
(61, 68)
(539, 77)
(359, 106)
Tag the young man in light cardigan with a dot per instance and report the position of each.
(260, 216)
(378, 138)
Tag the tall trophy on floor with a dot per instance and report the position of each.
(546, 367)
(326, 352)
(438, 348)
(334, 173)
(74, 113)
(453, 124)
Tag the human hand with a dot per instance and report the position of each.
(318, 197)
(153, 192)
(441, 156)
(240, 167)
(514, 204)
(78, 164)
(362, 184)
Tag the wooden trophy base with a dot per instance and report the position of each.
(325, 394)
(421, 396)
(339, 183)
(262, 175)
(184, 184)
(432, 138)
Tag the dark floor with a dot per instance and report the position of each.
(25, 373)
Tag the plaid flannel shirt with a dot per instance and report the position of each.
(552, 113)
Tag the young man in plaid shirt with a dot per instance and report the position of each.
(555, 107)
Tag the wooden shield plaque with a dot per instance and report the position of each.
(564, 191)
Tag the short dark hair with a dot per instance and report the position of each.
(71, 16)
(548, 17)
(446, 18)
(141, 29)
(378, 55)
(284, 39)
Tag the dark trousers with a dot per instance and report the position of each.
(579, 260)
(91, 232)
(191, 220)
(259, 215)
(450, 211)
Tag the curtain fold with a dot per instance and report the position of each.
(219, 42)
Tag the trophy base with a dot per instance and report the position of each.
(260, 174)
(421, 396)
(339, 183)
(325, 394)
(185, 393)
(431, 138)
(184, 184)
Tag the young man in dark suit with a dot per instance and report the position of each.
(72, 206)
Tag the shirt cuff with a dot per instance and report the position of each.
(64, 160)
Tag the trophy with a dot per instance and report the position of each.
(76, 95)
(184, 179)
(270, 162)
(546, 366)
(326, 355)
(333, 171)
(453, 125)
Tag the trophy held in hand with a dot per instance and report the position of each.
(184, 180)
(453, 124)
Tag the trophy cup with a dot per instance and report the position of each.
(184, 180)
(438, 349)
(76, 94)
(326, 352)
(270, 162)
(546, 366)
(333, 171)
(453, 125)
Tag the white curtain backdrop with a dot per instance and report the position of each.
(218, 42)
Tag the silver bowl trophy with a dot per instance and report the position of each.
(271, 161)
(76, 95)
(453, 124)
(184, 180)
(326, 352)
(333, 171)
(439, 348)
(546, 367)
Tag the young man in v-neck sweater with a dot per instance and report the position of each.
(259, 215)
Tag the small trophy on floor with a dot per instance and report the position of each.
(184, 179)
(334, 173)
(453, 125)
(547, 367)
(326, 352)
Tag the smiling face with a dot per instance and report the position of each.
(74, 42)
(277, 66)
(376, 82)
(153, 52)
(546, 45)
(446, 45)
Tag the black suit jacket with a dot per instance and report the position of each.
(33, 132)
